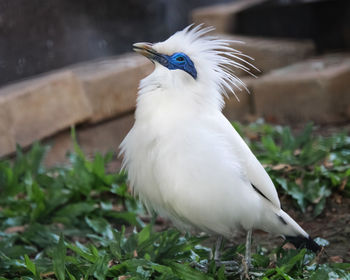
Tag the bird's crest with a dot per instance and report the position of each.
(214, 58)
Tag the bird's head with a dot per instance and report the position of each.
(194, 60)
(175, 61)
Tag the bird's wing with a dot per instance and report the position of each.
(255, 172)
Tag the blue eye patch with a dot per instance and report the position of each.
(177, 61)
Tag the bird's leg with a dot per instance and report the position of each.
(248, 244)
(247, 258)
(217, 249)
(229, 265)
(216, 255)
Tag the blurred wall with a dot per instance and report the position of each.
(40, 35)
(326, 22)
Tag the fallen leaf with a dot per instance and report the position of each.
(343, 184)
(124, 277)
(297, 152)
(328, 164)
(282, 166)
(317, 200)
(60, 226)
(117, 207)
(20, 196)
(47, 274)
(338, 198)
(289, 246)
(299, 181)
(111, 263)
(15, 229)
(252, 135)
(336, 259)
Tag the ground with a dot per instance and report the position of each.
(81, 220)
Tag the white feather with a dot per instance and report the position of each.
(185, 160)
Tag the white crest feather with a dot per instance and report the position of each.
(214, 58)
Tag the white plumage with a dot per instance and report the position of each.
(183, 157)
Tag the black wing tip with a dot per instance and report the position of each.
(304, 242)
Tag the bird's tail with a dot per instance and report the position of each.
(283, 224)
(304, 242)
(296, 235)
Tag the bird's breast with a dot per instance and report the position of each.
(186, 170)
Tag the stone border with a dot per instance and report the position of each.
(222, 16)
(99, 96)
(316, 89)
(35, 109)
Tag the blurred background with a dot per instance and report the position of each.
(38, 36)
(69, 63)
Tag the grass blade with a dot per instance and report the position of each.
(59, 259)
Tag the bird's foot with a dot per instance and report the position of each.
(230, 266)
(245, 270)
(200, 267)
(245, 267)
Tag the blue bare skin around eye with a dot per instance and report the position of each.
(186, 65)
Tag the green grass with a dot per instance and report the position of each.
(80, 222)
(307, 167)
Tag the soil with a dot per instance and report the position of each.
(333, 225)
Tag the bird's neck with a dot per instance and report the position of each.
(155, 102)
(161, 96)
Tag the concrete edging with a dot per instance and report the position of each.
(40, 107)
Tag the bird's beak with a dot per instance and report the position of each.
(145, 49)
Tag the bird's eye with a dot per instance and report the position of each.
(180, 58)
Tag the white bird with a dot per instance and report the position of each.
(183, 157)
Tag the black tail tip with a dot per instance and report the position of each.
(303, 242)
